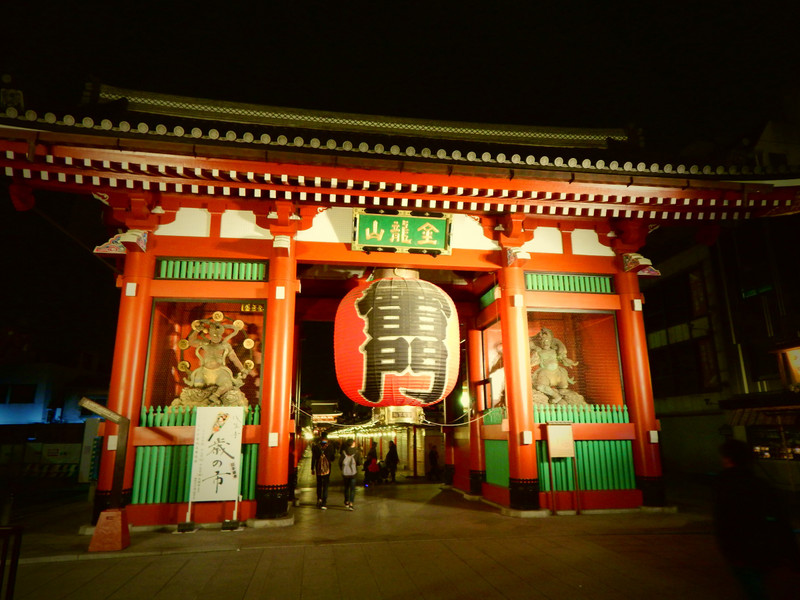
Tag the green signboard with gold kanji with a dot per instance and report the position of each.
(415, 232)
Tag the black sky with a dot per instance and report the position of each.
(675, 69)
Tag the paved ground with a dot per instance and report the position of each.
(402, 541)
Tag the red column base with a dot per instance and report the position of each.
(111, 532)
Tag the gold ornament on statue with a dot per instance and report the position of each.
(184, 366)
(183, 344)
(238, 324)
(249, 364)
(218, 316)
(248, 343)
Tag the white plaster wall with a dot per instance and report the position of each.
(467, 234)
(336, 225)
(332, 225)
(189, 222)
(545, 240)
(586, 242)
(241, 224)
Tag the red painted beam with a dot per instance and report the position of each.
(246, 290)
(594, 431)
(580, 431)
(202, 512)
(561, 300)
(182, 435)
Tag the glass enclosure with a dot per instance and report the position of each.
(574, 359)
(204, 353)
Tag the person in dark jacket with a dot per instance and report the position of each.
(434, 472)
(349, 461)
(752, 527)
(392, 459)
(322, 457)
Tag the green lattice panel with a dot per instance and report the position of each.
(212, 270)
(557, 282)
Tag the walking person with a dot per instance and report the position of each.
(392, 459)
(371, 467)
(349, 460)
(322, 457)
(434, 473)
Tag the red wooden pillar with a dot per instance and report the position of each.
(295, 438)
(449, 454)
(475, 369)
(523, 476)
(272, 484)
(638, 389)
(127, 371)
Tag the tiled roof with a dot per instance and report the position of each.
(379, 137)
(239, 113)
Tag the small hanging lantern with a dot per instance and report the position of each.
(396, 342)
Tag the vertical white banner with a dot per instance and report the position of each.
(217, 452)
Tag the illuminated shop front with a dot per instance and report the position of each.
(769, 422)
(241, 223)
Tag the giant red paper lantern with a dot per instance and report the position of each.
(396, 343)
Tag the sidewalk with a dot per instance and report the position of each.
(402, 541)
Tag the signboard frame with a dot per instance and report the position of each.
(378, 230)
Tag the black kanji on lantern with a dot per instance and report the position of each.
(407, 327)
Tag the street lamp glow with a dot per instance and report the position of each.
(465, 400)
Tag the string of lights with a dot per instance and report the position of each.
(370, 429)
(478, 418)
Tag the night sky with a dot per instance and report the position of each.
(681, 71)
